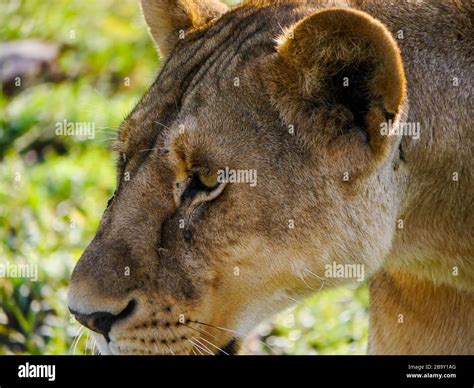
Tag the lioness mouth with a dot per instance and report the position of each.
(230, 349)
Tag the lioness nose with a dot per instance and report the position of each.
(101, 322)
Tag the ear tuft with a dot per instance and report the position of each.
(168, 19)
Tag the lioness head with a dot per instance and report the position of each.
(255, 159)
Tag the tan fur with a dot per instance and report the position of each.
(325, 43)
(166, 18)
(260, 87)
(410, 315)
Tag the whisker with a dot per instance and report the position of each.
(176, 339)
(88, 336)
(292, 299)
(107, 139)
(217, 347)
(148, 149)
(200, 347)
(81, 332)
(166, 343)
(163, 125)
(156, 342)
(235, 332)
(94, 345)
(196, 346)
(312, 273)
(105, 130)
(146, 348)
(115, 129)
(206, 332)
(171, 350)
(301, 277)
(107, 134)
(204, 346)
(161, 149)
(78, 336)
(281, 27)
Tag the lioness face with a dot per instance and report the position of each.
(237, 183)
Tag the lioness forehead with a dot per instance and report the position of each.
(205, 66)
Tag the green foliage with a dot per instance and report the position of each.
(50, 203)
(51, 200)
(48, 213)
(331, 322)
(104, 44)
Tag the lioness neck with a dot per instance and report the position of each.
(437, 48)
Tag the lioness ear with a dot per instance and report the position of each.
(166, 19)
(340, 67)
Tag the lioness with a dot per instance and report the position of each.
(356, 121)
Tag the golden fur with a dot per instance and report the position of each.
(298, 92)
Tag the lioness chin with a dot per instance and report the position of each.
(353, 121)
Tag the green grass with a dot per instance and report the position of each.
(48, 213)
(331, 322)
(51, 201)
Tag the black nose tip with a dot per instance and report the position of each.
(101, 322)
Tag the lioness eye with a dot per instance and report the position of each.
(209, 181)
(202, 188)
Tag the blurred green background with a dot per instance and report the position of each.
(95, 61)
